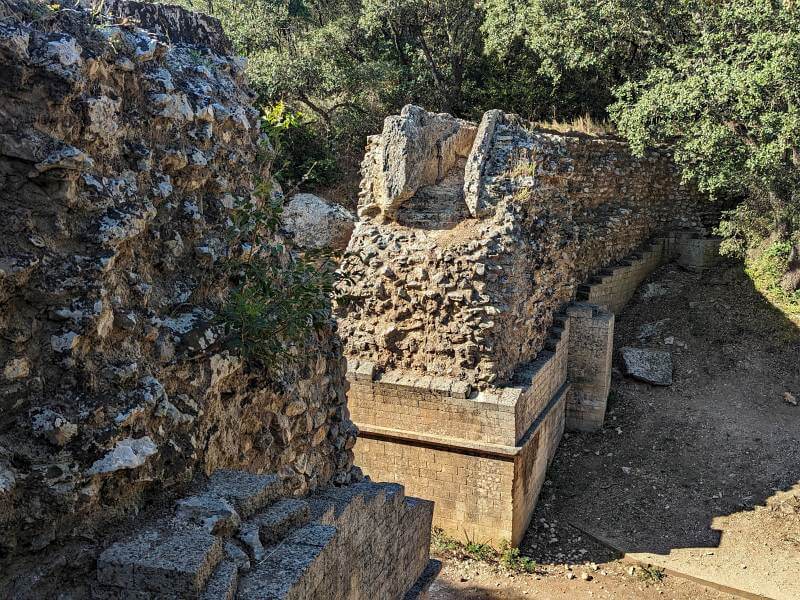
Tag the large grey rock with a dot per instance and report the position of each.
(651, 366)
(316, 223)
(416, 149)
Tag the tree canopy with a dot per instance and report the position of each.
(718, 80)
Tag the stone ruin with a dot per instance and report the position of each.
(478, 317)
(126, 139)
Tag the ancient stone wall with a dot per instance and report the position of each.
(467, 353)
(122, 154)
(460, 274)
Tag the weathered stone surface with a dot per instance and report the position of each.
(216, 515)
(53, 427)
(650, 366)
(248, 492)
(17, 368)
(365, 541)
(280, 518)
(417, 149)
(172, 559)
(129, 453)
(462, 269)
(7, 479)
(125, 142)
(223, 583)
(315, 223)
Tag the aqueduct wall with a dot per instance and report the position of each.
(483, 280)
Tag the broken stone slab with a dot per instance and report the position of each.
(248, 492)
(173, 559)
(129, 453)
(215, 515)
(650, 366)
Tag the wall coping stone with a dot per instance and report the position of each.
(460, 445)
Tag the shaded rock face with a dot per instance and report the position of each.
(315, 223)
(459, 264)
(121, 154)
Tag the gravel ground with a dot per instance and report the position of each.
(704, 474)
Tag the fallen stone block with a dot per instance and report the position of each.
(650, 366)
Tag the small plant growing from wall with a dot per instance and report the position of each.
(279, 295)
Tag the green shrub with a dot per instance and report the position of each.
(278, 296)
(302, 154)
(512, 560)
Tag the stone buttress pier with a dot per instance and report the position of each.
(478, 313)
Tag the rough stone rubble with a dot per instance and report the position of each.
(121, 156)
(472, 237)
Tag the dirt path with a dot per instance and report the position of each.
(702, 477)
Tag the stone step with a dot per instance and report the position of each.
(278, 520)
(292, 570)
(247, 492)
(171, 559)
(223, 583)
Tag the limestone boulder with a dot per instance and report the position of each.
(416, 149)
(650, 366)
(316, 223)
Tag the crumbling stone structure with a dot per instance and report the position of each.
(126, 139)
(238, 539)
(466, 356)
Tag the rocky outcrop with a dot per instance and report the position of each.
(473, 237)
(123, 150)
(315, 223)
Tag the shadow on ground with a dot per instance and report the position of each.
(704, 471)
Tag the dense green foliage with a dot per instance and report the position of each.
(346, 64)
(728, 99)
(719, 80)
